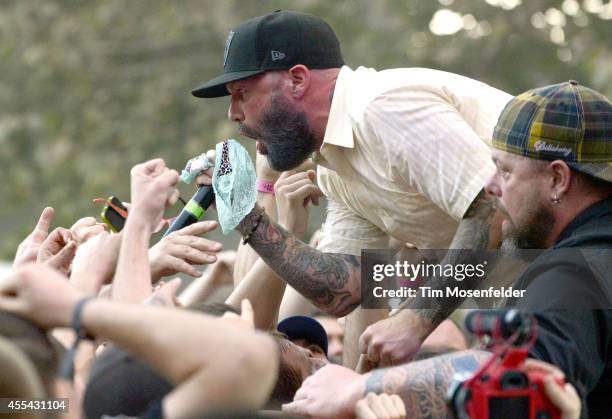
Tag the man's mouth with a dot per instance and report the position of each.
(261, 148)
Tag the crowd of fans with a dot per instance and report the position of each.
(99, 319)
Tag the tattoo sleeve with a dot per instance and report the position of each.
(330, 281)
(423, 385)
(477, 231)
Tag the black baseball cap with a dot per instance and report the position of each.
(304, 327)
(276, 41)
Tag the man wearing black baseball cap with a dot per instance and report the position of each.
(399, 151)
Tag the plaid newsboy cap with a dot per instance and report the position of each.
(563, 121)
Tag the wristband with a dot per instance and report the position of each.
(265, 186)
(67, 365)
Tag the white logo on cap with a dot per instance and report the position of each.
(277, 55)
(228, 42)
(553, 148)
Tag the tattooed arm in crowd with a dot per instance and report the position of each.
(333, 391)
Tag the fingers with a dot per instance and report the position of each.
(171, 288)
(86, 228)
(179, 265)
(168, 178)
(363, 411)
(64, 257)
(149, 167)
(174, 195)
(544, 367)
(364, 341)
(204, 179)
(375, 402)
(564, 397)
(296, 407)
(365, 365)
(399, 405)
(305, 193)
(41, 231)
(373, 355)
(380, 406)
(192, 254)
(197, 229)
(200, 243)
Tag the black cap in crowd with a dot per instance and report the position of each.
(304, 327)
(276, 41)
(121, 384)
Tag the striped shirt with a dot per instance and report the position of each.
(405, 153)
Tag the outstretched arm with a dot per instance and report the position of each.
(480, 229)
(333, 391)
(330, 281)
(382, 343)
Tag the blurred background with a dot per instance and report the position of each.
(89, 88)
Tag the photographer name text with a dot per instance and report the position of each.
(448, 292)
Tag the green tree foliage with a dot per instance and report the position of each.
(89, 88)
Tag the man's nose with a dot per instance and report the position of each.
(492, 187)
(234, 112)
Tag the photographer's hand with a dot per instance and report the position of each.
(564, 397)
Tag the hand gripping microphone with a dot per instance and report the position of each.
(203, 198)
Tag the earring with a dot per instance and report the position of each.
(556, 200)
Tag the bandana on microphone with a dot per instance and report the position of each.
(234, 184)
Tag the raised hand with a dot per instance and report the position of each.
(57, 250)
(27, 251)
(293, 192)
(152, 190)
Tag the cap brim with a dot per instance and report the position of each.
(601, 171)
(216, 86)
(304, 327)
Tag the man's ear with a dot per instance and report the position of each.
(299, 77)
(561, 178)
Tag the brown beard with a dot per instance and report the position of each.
(285, 132)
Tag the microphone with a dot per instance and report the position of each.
(194, 210)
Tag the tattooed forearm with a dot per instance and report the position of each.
(477, 231)
(330, 281)
(423, 385)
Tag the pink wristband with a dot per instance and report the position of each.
(265, 186)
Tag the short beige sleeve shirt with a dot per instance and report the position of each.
(405, 153)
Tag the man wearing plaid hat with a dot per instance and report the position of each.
(553, 153)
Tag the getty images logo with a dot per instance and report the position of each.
(277, 55)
